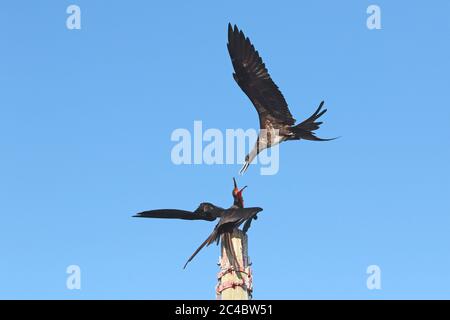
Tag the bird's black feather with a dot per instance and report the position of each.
(252, 76)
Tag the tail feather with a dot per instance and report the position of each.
(207, 242)
(229, 248)
(304, 130)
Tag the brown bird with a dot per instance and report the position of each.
(275, 119)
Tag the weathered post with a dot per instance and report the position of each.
(235, 284)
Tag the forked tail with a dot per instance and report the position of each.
(305, 130)
(229, 249)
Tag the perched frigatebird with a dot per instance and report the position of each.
(205, 211)
(230, 219)
(275, 119)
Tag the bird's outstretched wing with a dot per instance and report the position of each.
(252, 76)
(176, 214)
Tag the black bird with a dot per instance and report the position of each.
(275, 119)
(205, 211)
(230, 219)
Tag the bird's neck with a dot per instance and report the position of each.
(238, 204)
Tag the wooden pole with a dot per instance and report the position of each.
(235, 284)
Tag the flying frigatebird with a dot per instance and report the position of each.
(275, 119)
(230, 219)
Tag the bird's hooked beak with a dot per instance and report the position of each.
(244, 168)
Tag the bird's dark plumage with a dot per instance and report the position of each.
(252, 76)
(305, 130)
(275, 119)
(205, 211)
(231, 218)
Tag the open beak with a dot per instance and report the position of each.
(236, 187)
(244, 168)
(235, 184)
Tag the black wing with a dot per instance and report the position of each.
(235, 217)
(176, 214)
(231, 218)
(252, 76)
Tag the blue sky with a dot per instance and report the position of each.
(85, 123)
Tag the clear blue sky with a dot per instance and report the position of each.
(85, 123)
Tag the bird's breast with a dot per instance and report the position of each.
(270, 137)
